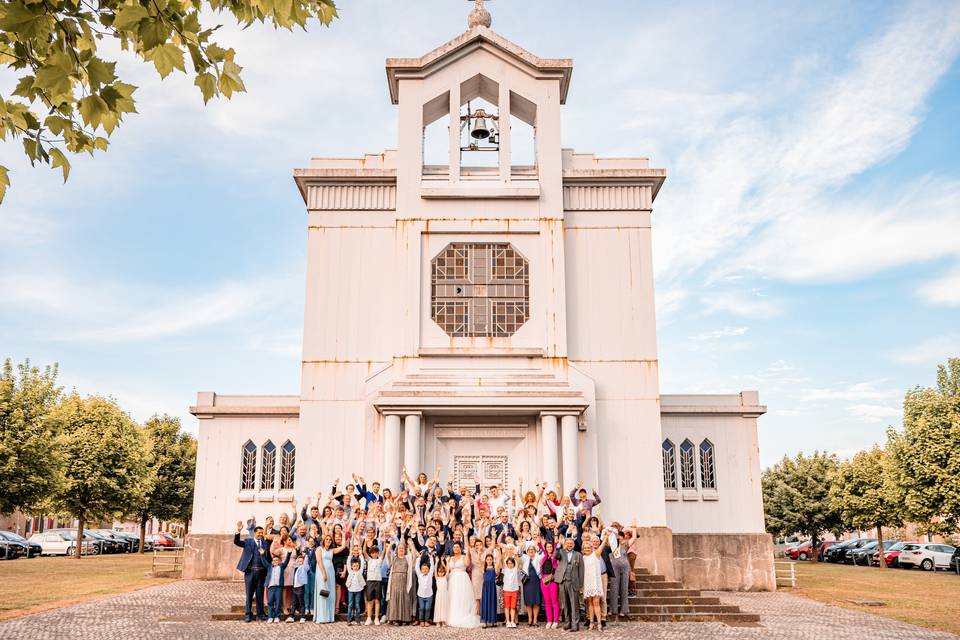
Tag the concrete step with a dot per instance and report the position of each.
(677, 593)
(726, 618)
(657, 609)
(650, 577)
(644, 586)
(652, 600)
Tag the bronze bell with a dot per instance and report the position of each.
(480, 130)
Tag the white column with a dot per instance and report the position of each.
(411, 444)
(571, 453)
(391, 452)
(454, 131)
(548, 442)
(503, 111)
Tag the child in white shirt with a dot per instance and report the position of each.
(355, 584)
(424, 593)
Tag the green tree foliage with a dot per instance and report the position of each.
(796, 496)
(68, 99)
(171, 464)
(29, 461)
(865, 494)
(925, 455)
(106, 455)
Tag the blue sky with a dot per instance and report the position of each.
(807, 240)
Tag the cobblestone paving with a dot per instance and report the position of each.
(182, 610)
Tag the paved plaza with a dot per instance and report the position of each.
(182, 609)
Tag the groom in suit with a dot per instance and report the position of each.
(253, 570)
(570, 578)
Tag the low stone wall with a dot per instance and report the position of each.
(724, 561)
(210, 557)
(655, 550)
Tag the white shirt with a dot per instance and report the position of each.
(374, 569)
(355, 581)
(511, 579)
(276, 571)
(425, 582)
(494, 503)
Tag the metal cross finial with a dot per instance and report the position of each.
(478, 16)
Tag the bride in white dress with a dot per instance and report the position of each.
(462, 611)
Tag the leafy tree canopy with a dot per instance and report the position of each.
(171, 466)
(863, 493)
(925, 459)
(30, 463)
(69, 99)
(106, 451)
(796, 495)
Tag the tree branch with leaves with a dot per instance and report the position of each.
(70, 100)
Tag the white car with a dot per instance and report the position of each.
(926, 555)
(57, 543)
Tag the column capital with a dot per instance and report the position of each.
(401, 413)
(561, 413)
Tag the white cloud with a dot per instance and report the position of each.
(944, 290)
(99, 312)
(725, 332)
(853, 392)
(746, 304)
(873, 413)
(931, 351)
(755, 191)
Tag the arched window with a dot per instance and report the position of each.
(268, 465)
(669, 465)
(288, 459)
(688, 473)
(708, 466)
(248, 466)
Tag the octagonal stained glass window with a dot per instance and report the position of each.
(480, 289)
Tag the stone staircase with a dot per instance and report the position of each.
(660, 600)
(656, 600)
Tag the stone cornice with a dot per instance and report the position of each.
(245, 412)
(478, 37)
(347, 176)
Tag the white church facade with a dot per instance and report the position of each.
(481, 299)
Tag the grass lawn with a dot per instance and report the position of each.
(923, 598)
(38, 584)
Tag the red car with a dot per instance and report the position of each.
(892, 556)
(802, 552)
(164, 540)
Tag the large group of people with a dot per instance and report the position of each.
(435, 554)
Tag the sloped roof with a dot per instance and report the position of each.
(476, 38)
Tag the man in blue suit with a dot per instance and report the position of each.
(253, 569)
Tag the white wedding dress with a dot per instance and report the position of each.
(462, 608)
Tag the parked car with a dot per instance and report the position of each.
(164, 540)
(824, 546)
(865, 555)
(926, 555)
(891, 556)
(859, 544)
(11, 549)
(33, 549)
(55, 543)
(110, 545)
(125, 544)
(133, 539)
(97, 545)
(838, 552)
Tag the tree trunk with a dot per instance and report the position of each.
(79, 548)
(880, 549)
(813, 547)
(143, 532)
(186, 528)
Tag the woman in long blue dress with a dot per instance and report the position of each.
(326, 606)
(488, 593)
